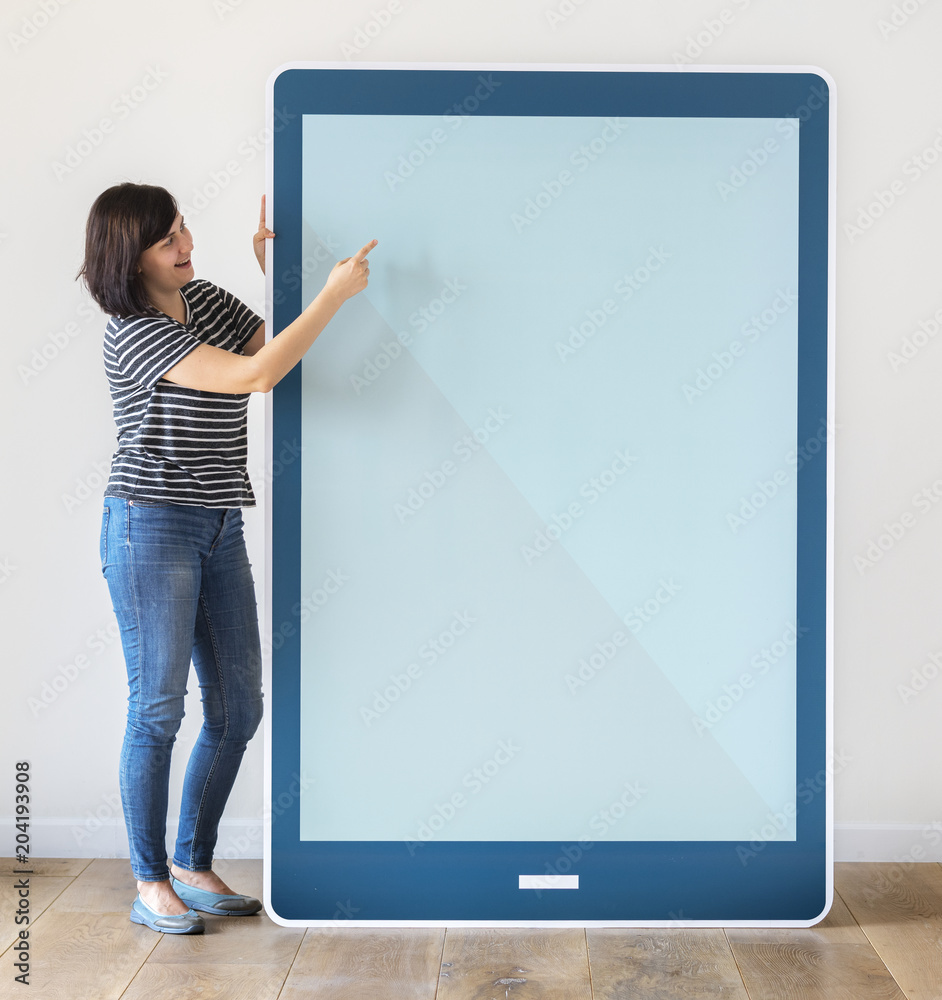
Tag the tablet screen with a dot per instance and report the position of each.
(534, 446)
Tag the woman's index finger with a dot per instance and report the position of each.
(363, 251)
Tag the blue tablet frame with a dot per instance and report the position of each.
(706, 883)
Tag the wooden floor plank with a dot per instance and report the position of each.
(83, 944)
(514, 964)
(43, 891)
(104, 886)
(783, 970)
(175, 982)
(360, 963)
(46, 866)
(899, 908)
(237, 941)
(85, 955)
(838, 927)
(833, 959)
(688, 963)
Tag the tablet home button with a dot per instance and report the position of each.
(548, 882)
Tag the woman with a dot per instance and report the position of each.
(182, 356)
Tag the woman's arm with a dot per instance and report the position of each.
(213, 369)
(263, 234)
(256, 342)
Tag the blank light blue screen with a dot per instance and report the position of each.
(549, 480)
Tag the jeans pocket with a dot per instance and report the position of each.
(103, 540)
(148, 503)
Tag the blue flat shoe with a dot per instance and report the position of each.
(184, 923)
(215, 902)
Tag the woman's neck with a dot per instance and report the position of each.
(170, 303)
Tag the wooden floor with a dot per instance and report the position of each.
(883, 938)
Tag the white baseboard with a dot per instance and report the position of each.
(888, 842)
(93, 837)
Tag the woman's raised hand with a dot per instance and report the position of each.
(350, 275)
(258, 240)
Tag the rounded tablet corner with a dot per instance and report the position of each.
(273, 914)
(278, 71)
(828, 904)
(826, 79)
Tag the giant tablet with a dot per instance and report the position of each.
(550, 568)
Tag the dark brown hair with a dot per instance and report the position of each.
(124, 221)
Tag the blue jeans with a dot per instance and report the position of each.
(182, 589)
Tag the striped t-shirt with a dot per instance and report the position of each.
(175, 444)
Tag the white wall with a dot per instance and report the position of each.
(73, 124)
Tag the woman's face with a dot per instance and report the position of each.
(166, 266)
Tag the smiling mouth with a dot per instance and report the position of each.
(183, 263)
